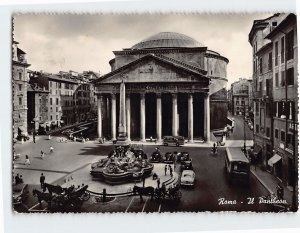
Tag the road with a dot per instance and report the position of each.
(238, 131)
(211, 182)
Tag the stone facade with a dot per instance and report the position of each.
(20, 83)
(275, 84)
(241, 102)
(165, 85)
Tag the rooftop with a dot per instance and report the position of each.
(168, 40)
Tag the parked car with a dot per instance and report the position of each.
(187, 178)
(156, 157)
(183, 156)
(140, 152)
(169, 157)
(173, 141)
(22, 136)
(20, 193)
(187, 165)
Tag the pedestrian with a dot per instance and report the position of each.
(51, 149)
(21, 179)
(17, 179)
(27, 161)
(42, 180)
(158, 183)
(143, 179)
(166, 168)
(42, 154)
(171, 171)
(33, 137)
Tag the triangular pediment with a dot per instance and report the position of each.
(154, 69)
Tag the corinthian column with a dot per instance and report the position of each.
(99, 128)
(174, 115)
(158, 117)
(190, 118)
(143, 118)
(113, 116)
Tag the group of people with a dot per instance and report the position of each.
(27, 160)
(169, 167)
(18, 179)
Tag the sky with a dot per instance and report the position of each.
(80, 42)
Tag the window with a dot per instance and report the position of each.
(56, 117)
(20, 100)
(270, 61)
(268, 132)
(276, 53)
(282, 49)
(56, 101)
(276, 133)
(257, 128)
(254, 66)
(51, 118)
(50, 83)
(282, 79)
(20, 87)
(290, 76)
(282, 136)
(50, 101)
(20, 76)
(268, 109)
(260, 66)
(276, 80)
(260, 86)
(243, 103)
(51, 109)
(56, 109)
(40, 101)
(290, 45)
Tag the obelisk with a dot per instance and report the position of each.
(122, 135)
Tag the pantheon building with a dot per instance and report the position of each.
(174, 85)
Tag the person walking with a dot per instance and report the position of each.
(166, 168)
(51, 149)
(33, 137)
(27, 161)
(42, 180)
(42, 154)
(171, 171)
(158, 183)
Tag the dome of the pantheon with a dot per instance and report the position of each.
(167, 40)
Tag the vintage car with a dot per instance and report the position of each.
(187, 178)
(169, 157)
(20, 193)
(140, 152)
(156, 157)
(173, 141)
(187, 165)
(183, 156)
(22, 136)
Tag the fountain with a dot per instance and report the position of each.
(122, 165)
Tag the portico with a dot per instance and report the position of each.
(155, 113)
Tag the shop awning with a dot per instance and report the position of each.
(274, 160)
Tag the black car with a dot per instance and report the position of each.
(140, 152)
(183, 156)
(169, 157)
(187, 165)
(156, 157)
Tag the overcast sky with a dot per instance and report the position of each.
(85, 42)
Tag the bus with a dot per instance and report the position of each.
(237, 165)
